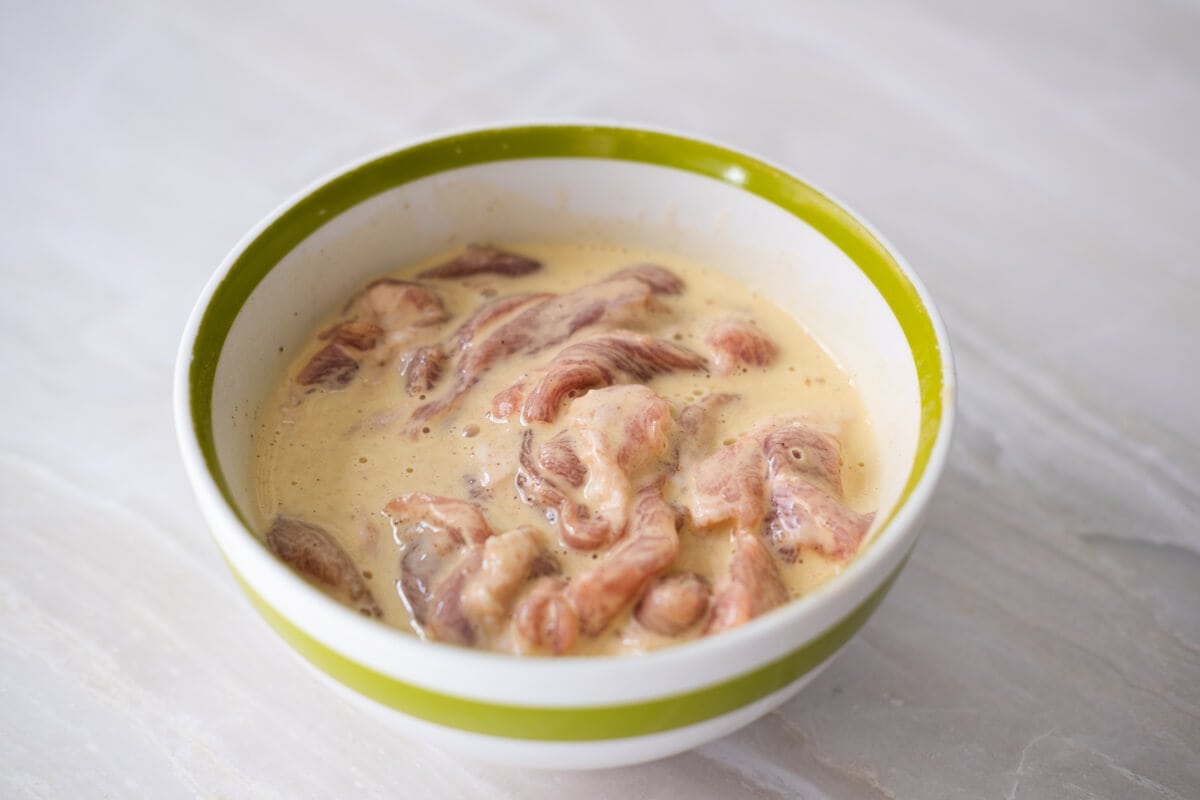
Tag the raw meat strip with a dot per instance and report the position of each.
(313, 552)
(483, 259)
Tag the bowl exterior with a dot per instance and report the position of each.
(574, 712)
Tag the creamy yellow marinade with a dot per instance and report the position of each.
(335, 458)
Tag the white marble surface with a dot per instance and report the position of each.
(1039, 163)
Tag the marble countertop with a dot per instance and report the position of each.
(1037, 163)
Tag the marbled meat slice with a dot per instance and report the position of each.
(613, 444)
(621, 433)
(804, 516)
(448, 620)
(421, 369)
(417, 513)
(359, 335)
(736, 342)
(651, 546)
(698, 424)
(604, 360)
(576, 523)
(311, 551)
(806, 510)
(612, 301)
(731, 483)
(331, 367)
(466, 335)
(385, 308)
(783, 475)
(673, 603)
(483, 259)
(391, 304)
(545, 618)
(436, 534)
(509, 560)
(557, 612)
(660, 279)
(558, 457)
(752, 586)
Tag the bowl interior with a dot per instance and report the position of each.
(710, 221)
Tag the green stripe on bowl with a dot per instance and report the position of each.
(567, 141)
(571, 724)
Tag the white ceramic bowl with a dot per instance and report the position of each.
(572, 183)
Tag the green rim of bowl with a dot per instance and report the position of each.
(345, 191)
(572, 723)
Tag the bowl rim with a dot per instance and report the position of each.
(307, 210)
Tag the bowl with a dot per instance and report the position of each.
(599, 183)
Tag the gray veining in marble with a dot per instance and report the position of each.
(1038, 163)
